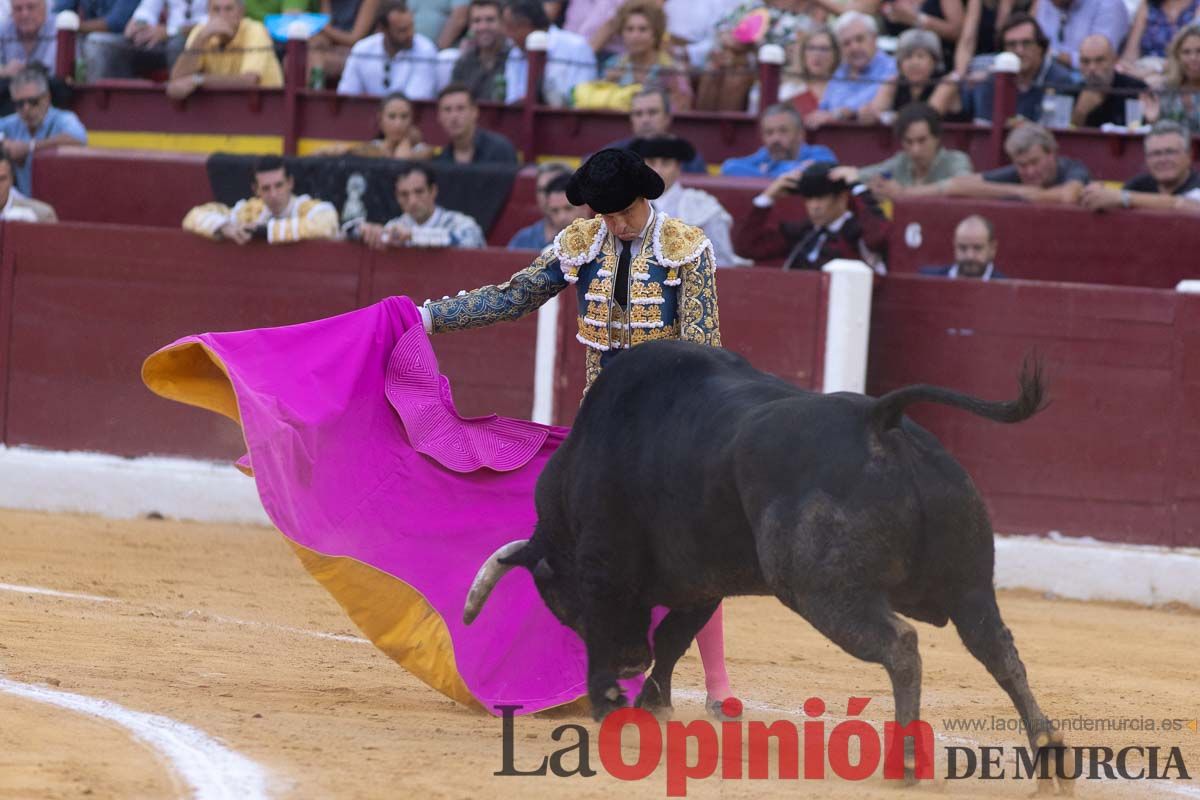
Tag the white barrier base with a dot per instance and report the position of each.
(123, 488)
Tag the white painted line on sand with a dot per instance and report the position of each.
(91, 598)
(211, 770)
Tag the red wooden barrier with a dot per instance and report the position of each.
(1111, 456)
(1125, 248)
(775, 319)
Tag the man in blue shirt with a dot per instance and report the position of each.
(1022, 36)
(863, 72)
(35, 124)
(783, 150)
(27, 37)
(558, 214)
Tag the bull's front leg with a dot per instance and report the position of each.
(615, 636)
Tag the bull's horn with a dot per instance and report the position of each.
(485, 580)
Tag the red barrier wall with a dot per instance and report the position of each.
(1125, 248)
(775, 319)
(1115, 455)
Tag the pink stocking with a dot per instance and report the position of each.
(711, 641)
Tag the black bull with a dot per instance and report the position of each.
(690, 476)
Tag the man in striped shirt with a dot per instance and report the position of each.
(424, 223)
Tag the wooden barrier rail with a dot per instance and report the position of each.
(1117, 454)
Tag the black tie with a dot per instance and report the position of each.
(621, 289)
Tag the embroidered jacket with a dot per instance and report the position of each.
(672, 291)
(304, 218)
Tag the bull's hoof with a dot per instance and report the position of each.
(1047, 746)
(655, 700)
(606, 702)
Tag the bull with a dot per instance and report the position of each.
(690, 476)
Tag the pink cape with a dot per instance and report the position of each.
(391, 499)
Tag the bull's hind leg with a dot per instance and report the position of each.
(861, 622)
(985, 635)
(672, 638)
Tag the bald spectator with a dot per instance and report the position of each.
(1170, 182)
(784, 149)
(27, 37)
(974, 252)
(650, 116)
(557, 213)
(1102, 99)
(394, 59)
(569, 58)
(1067, 23)
(230, 51)
(458, 115)
(862, 73)
(1038, 174)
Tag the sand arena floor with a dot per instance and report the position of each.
(220, 628)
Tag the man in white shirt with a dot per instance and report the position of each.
(569, 58)
(146, 44)
(16, 207)
(395, 59)
(424, 223)
(666, 155)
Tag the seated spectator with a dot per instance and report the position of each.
(1066, 23)
(424, 223)
(1170, 182)
(1022, 36)
(230, 51)
(440, 21)
(649, 116)
(844, 221)
(27, 37)
(468, 143)
(731, 68)
(596, 22)
(784, 149)
(350, 21)
(398, 136)
(1038, 174)
(666, 155)
(1179, 99)
(102, 28)
(818, 59)
(862, 75)
(921, 160)
(942, 18)
(643, 26)
(980, 35)
(974, 252)
(919, 57)
(394, 59)
(483, 54)
(1154, 27)
(147, 44)
(557, 213)
(36, 124)
(1102, 99)
(274, 213)
(569, 58)
(16, 207)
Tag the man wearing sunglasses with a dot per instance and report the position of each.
(36, 124)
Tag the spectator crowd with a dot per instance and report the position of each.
(913, 66)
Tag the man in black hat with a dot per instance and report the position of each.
(640, 275)
(668, 155)
(844, 221)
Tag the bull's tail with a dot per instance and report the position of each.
(889, 409)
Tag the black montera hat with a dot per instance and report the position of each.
(672, 147)
(611, 180)
(815, 181)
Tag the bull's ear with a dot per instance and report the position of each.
(543, 570)
(527, 556)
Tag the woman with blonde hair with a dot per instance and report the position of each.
(642, 26)
(398, 136)
(1179, 97)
